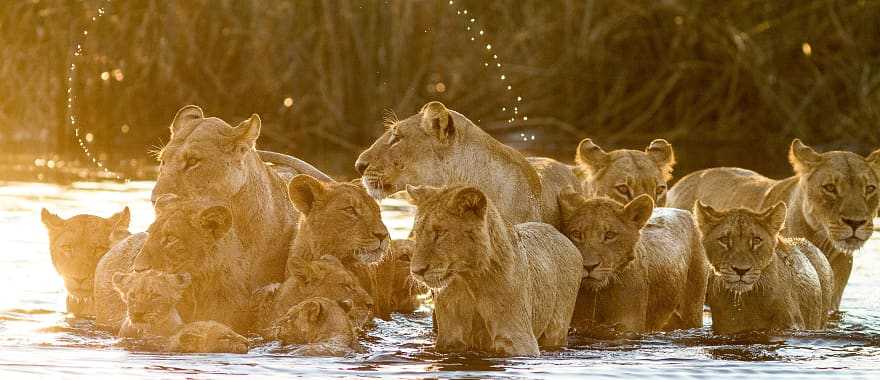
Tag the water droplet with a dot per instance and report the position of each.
(288, 102)
(105, 76)
(489, 47)
(807, 49)
(90, 137)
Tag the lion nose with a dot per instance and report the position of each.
(741, 271)
(381, 235)
(418, 270)
(853, 223)
(361, 167)
(589, 268)
(137, 316)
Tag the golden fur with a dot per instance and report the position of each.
(188, 236)
(320, 325)
(500, 289)
(207, 336)
(762, 281)
(644, 268)
(396, 291)
(832, 200)
(625, 174)
(76, 246)
(438, 147)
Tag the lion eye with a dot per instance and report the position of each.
(169, 241)
(610, 235)
(623, 190)
(350, 210)
(191, 163)
(725, 241)
(756, 241)
(830, 188)
(576, 236)
(438, 234)
(870, 189)
(660, 190)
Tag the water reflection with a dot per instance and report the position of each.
(38, 338)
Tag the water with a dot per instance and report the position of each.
(37, 338)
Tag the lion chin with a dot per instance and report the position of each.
(595, 283)
(738, 286)
(849, 245)
(377, 188)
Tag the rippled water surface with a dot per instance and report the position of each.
(38, 339)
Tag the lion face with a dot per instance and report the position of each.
(78, 243)
(209, 336)
(327, 277)
(410, 151)
(740, 243)
(341, 219)
(606, 233)
(451, 234)
(317, 319)
(183, 238)
(205, 156)
(841, 191)
(625, 174)
(150, 296)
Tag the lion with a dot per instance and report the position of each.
(644, 269)
(625, 174)
(207, 158)
(396, 291)
(323, 277)
(832, 200)
(761, 280)
(151, 298)
(501, 289)
(439, 147)
(76, 245)
(192, 236)
(320, 325)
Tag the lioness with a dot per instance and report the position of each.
(501, 289)
(319, 324)
(762, 281)
(832, 200)
(188, 236)
(323, 277)
(439, 147)
(625, 174)
(76, 246)
(151, 299)
(644, 269)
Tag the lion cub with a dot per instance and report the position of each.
(396, 290)
(501, 289)
(151, 299)
(762, 281)
(644, 269)
(76, 246)
(320, 325)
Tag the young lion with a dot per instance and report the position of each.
(762, 281)
(625, 174)
(498, 288)
(321, 325)
(76, 246)
(151, 298)
(644, 268)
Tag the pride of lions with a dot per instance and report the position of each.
(516, 253)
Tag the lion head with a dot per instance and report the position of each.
(740, 243)
(452, 235)
(184, 235)
(339, 219)
(840, 193)
(327, 277)
(625, 174)
(150, 296)
(314, 320)
(208, 336)
(78, 243)
(396, 290)
(206, 157)
(605, 231)
(411, 150)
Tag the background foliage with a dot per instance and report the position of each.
(728, 83)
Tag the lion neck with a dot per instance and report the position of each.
(164, 327)
(265, 221)
(504, 261)
(478, 159)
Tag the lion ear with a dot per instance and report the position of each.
(247, 133)
(121, 220)
(468, 201)
(774, 217)
(569, 202)
(312, 310)
(120, 281)
(662, 154)
(50, 220)
(216, 219)
(418, 194)
(346, 305)
(591, 156)
(437, 121)
(184, 116)
(706, 215)
(304, 191)
(639, 210)
(802, 157)
(874, 160)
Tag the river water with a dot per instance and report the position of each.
(38, 339)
